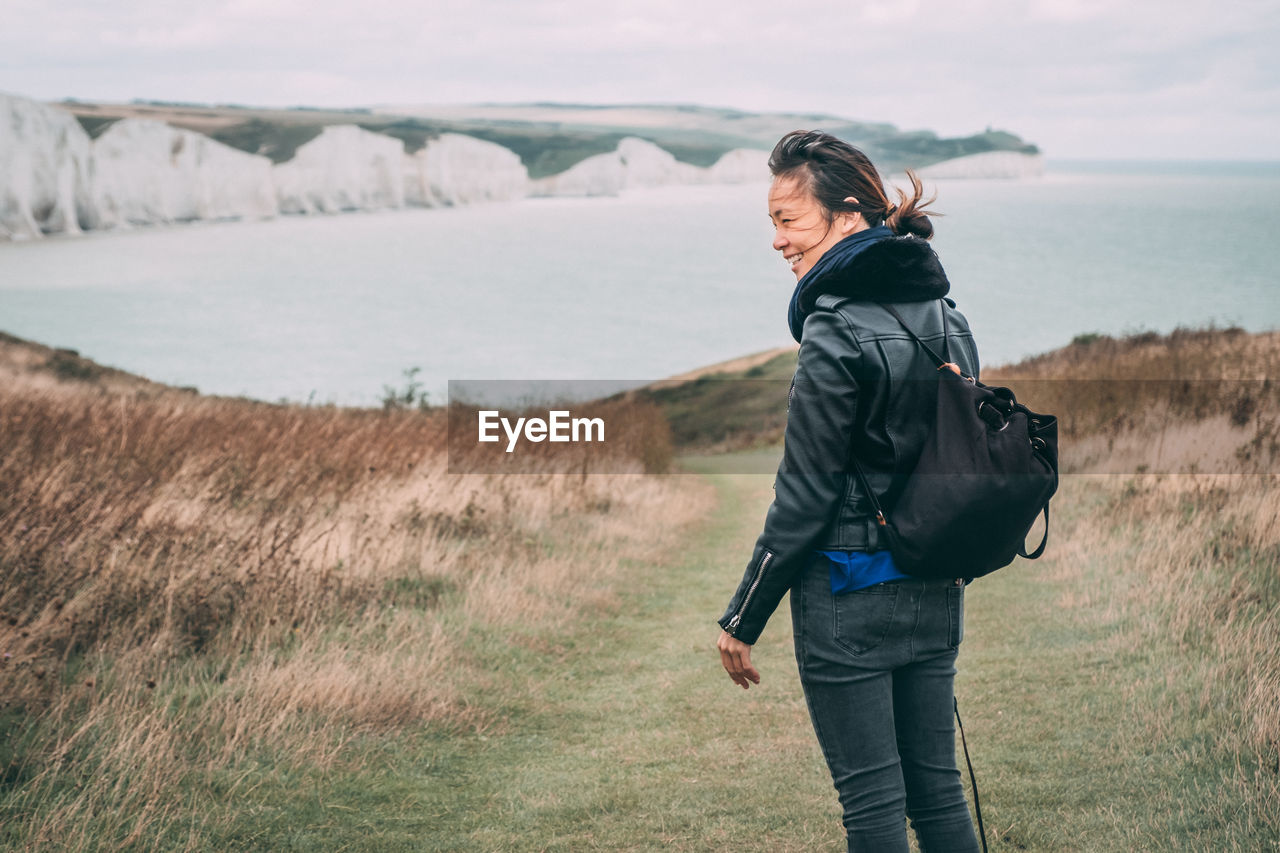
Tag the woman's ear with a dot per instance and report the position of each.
(851, 221)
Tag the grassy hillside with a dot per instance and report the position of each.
(233, 625)
(729, 407)
(548, 137)
(1111, 395)
(200, 594)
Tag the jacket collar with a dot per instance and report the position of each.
(873, 266)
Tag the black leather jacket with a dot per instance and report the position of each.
(861, 386)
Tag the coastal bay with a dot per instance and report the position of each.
(635, 287)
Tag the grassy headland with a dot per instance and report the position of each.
(549, 138)
(238, 626)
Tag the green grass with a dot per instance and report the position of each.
(622, 733)
(95, 126)
(730, 410)
(276, 140)
(545, 150)
(1093, 726)
(1091, 729)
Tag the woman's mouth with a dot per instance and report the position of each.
(793, 260)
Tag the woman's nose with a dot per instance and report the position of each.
(779, 241)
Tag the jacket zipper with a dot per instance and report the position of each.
(751, 590)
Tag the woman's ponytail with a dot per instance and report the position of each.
(911, 214)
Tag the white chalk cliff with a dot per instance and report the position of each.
(344, 168)
(634, 163)
(146, 172)
(989, 164)
(740, 166)
(44, 171)
(53, 179)
(454, 169)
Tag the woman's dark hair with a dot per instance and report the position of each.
(834, 170)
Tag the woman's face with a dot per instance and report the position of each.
(801, 230)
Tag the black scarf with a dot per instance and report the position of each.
(873, 266)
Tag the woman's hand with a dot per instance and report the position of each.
(736, 657)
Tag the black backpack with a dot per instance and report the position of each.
(986, 473)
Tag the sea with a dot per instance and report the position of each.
(340, 309)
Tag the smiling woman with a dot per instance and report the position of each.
(876, 648)
(810, 215)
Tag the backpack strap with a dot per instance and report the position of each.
(1022, 552)
(973, 780)
(940, 360)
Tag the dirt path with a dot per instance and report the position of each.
(637, 740)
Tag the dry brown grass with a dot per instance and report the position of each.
(190, 584)
(1196, 400)
(1186, 428)
(1196, 562)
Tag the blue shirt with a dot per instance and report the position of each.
(852, 570)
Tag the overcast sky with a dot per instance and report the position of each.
(1081, 78)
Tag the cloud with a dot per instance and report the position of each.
(1078, 76)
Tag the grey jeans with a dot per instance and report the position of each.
(878, 669)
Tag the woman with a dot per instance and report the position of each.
(876, 648)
